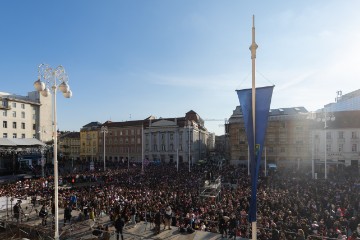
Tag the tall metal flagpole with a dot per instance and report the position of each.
(142, 148)
(248, 161)
(253, 48)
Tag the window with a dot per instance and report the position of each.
(22, 125)
(14, 135)
(328, 147)
(180, 147)
(22, 114)
(14, 125)
(353, 135)
(155, 147)
(341, 147)
(22, 106)
(328, 135)
(34, 126)
(23, 135)
(4, 124)
(14, 114)
(4, 135)
(354, 147)
(132, 131)
(163, 147)
(171, 136)
(14, 104)
(282, 149)
(341, 135)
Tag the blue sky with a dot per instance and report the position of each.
(127, 60)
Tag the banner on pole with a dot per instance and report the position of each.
(256, 143)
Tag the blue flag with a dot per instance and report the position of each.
(262, 107)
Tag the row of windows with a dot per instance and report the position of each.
(14, 125)
(340, 134)
(5, 114)
(15, 135)
(354, 148)
(13, 104)
(163, 147)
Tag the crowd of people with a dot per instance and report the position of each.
(290, 205)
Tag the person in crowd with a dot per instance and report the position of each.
(167, 217)
(67, 214)
(157, 221)
(43, 214)
(119, 226)
(133, 213)
(17, 211)
(300, 234)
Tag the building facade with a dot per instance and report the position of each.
(172, 139)
(287, 137)
(25, 116)
(89, 142)
(69, 146)
(123, 141)
(337, 141)
(297, 138)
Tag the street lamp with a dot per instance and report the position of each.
(104, 130)
(324, 119)
(49, 78)
(189, 147)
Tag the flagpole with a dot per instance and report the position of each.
(253, 48)
(142, 148)
(248, 161)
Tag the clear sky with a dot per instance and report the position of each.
(127, 60)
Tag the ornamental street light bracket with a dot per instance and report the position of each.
(49, 78)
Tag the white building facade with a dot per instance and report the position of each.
(25, 116)
(175, 139)
(336, 136)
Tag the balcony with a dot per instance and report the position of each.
(8, 107)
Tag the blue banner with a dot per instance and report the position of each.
(256, 143)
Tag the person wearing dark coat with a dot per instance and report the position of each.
(119, 225)
(157, 222)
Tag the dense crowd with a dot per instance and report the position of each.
(290, 205)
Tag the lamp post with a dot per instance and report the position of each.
(324, 119)
(54, 79)
(104, 130)
(189, 148)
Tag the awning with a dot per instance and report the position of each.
(20, 142)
